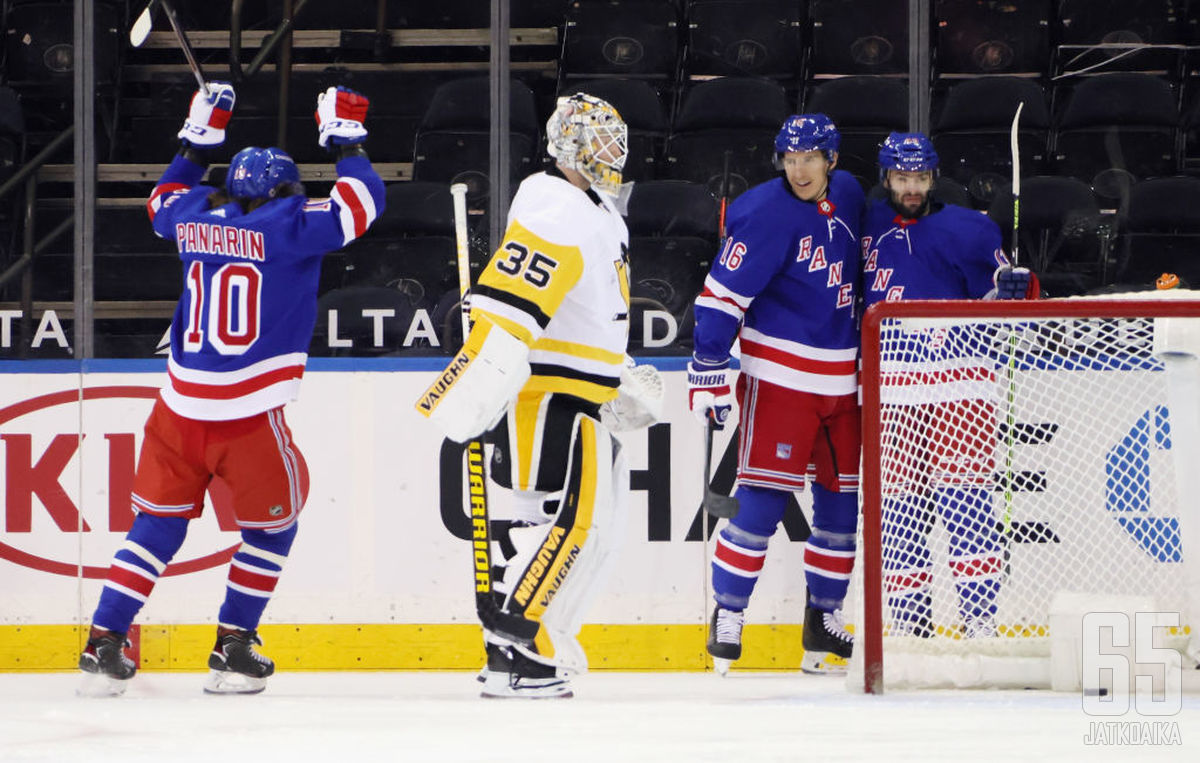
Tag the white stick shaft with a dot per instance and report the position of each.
(459, 192)
(1016, 178)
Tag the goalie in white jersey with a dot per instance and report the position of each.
(544, 372)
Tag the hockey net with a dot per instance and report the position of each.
(1016, 455)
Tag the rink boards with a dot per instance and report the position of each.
(380, 575)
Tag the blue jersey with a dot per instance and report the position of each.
(951, 253)
(948, 254)
(241, 330)
(784, 285)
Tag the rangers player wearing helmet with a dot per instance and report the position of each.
(251, 255)
(915, 247)
(544, 371)
(784, 286)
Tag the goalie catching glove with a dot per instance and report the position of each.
(471, 395)
(708, 390)
(208, 115)
(639, 401)
(340, 115)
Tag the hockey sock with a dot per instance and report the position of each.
(976, 548)
(253, 574)
(742, 545)
(829, 553)
(148, 548)
(906, 560)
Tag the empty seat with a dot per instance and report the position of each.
(975, 38)
(453, 141)
(1063, 235)
(421, 267)
(1162, 231)
(858, 37)
(416, 208)
(865, 109)
(672, 208)
(1125, 120)
(744, 37)
(39, 43)
(735, 115)
(1085, 24)
(639, 104)
(972, 133)
(623, 38)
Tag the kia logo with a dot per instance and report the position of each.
(29, 474)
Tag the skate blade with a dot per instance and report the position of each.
(100, 685)
(824, 664)
(229, 682)
(721, 665)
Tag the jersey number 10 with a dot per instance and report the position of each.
(226, 310)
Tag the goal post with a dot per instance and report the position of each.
(1023, 460)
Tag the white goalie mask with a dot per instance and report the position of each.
(587, 135)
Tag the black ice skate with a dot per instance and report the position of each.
(235, 667)
(499, 660)
(827, 643)
(725, 637)
(107, 669)
(525, 678)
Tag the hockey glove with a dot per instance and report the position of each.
(340, 115)
(1016, 283)
(208, 115)
(639, 401)
(708, 390)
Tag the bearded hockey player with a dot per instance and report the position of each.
(547, 379)
(784, 286)
(251, 255)
(918, 248)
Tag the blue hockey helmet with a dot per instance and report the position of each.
(808, 132)
(907, 152)
(255, 173)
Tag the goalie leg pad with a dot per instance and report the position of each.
(560, 565)
(485, 375)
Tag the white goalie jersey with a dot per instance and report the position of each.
(559, 282)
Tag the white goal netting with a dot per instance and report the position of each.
(1016, 454)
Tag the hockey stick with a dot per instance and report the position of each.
(720, 506)
(510, 626)
(1009, 416)
(145, 22)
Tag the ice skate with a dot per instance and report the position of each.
(235, 667)
(499, 659)
(725, 637)
(827, 643)
(106, 668)
(982, 626)
(526, 679)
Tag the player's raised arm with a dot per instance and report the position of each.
(358, 194)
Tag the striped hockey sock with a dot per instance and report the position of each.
(253, 574)
(148, 549)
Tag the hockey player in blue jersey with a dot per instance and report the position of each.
(251, 254)
(784, 287)
(915, 247)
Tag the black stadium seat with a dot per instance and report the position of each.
(744, 38)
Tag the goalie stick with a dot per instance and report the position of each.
(508, 625)
(145, 22)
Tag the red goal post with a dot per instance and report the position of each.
(1062, 380)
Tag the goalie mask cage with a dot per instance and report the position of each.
(1015, 455)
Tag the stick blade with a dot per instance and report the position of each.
(141, 28)
(721, 506)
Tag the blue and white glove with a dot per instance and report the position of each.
(708, 391)
(1016, 283)
(340, 115)
(208, 115)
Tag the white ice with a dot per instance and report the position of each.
(660, 717)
